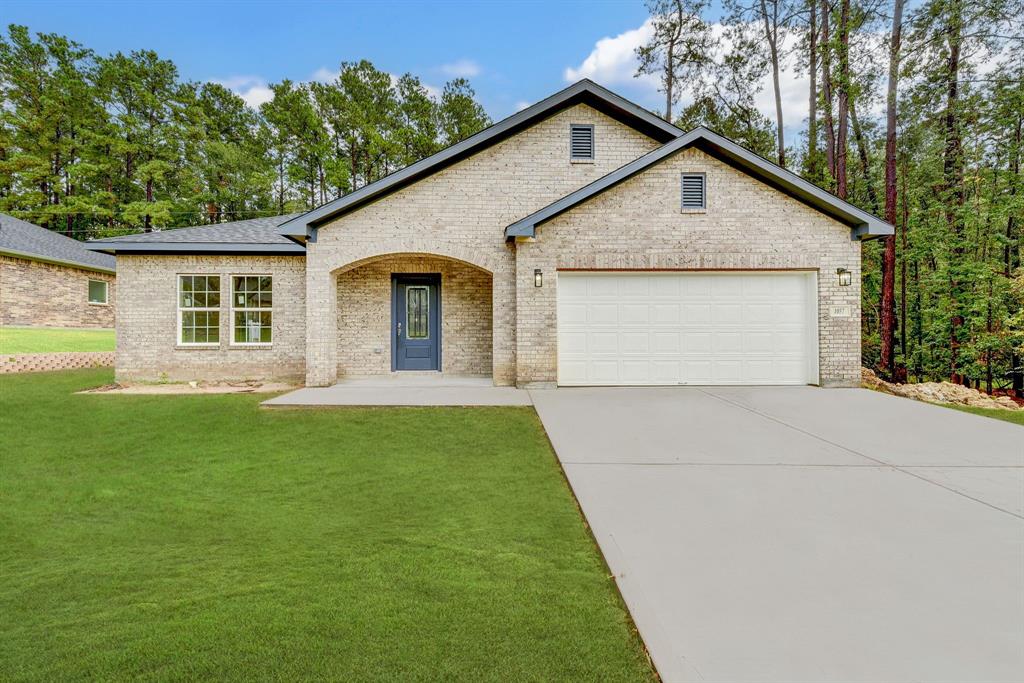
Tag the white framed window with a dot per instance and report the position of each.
(98, 292)
(199, 310)
(252, 309)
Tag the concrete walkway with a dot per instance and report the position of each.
(801, 534)
(405, 389)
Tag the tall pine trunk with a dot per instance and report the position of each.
(888, 332)
(953, 177)
(812, 99)
(771, 35)
(826, 88)
(844, 98)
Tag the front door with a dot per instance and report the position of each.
(416, 316)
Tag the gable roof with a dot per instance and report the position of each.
(862, 224)
(27, 240)
(254, 235)
(582, 92)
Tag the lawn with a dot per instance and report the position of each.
(200, 537)
(1014, 416)
(52, 339)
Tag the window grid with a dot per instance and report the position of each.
(252, 309)
(199, 310)
(97, 291)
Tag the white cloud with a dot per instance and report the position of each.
(521, 105)
(613, 61)
(461, 68)
(324, 75)
(253, 89)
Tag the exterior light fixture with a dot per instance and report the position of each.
(538, 278)
(845, 277)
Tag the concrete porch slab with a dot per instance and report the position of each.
(405, 389)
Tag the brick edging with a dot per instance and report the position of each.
(44, 362)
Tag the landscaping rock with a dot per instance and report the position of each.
(938, 392)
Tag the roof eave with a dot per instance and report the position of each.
(56, 261)
(195, 248)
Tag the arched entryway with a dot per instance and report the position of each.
(395, 311)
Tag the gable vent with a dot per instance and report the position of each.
(693, 191)
(581, 141)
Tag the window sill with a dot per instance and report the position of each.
(196, 347)
(98, 303)
(693, 210)
(581, 161)
(255, 346)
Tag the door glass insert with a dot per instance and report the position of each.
(417, 303)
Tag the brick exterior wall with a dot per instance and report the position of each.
(460, 213)
(332, 308)
(37, 294)
(365, 325)
(639, 225)
(147, 331)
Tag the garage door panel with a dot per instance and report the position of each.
(635, 313)
(686, 328)
(635, 343)
(667, 342)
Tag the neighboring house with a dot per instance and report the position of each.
(580, 241)
(49, 280)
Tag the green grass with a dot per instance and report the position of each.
(1014, 416)
(53, 339)
(201, 538)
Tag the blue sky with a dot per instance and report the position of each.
(514, 53)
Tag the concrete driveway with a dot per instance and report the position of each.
(803, 534)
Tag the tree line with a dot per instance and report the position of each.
(914, 114)
(95, 145)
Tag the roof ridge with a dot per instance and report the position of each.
(301, 226)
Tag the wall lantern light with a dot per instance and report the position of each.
(538, 278)
(845, 277)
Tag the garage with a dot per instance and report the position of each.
(698, 328)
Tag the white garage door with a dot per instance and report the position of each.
(687, 328)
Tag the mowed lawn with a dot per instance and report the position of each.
(54, 339)
(200, 537)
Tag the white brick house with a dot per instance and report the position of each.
(580, 241)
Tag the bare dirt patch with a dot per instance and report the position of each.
(188, 388)
(938, 392)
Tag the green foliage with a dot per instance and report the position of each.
(98, 146)
(202, 538)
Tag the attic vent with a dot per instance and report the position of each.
(693, 191)
(581, 142)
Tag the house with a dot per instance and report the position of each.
(581, 241)
(49, 280)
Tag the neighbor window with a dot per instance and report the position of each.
(198, 309)
(694, 191)
(581, 142)
(252, 302)
(97, 292)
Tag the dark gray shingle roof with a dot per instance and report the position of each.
(22, 238)
(251, 235)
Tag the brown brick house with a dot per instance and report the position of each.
(580, 241)
(49, 280)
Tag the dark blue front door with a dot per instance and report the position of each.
(416, 332)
